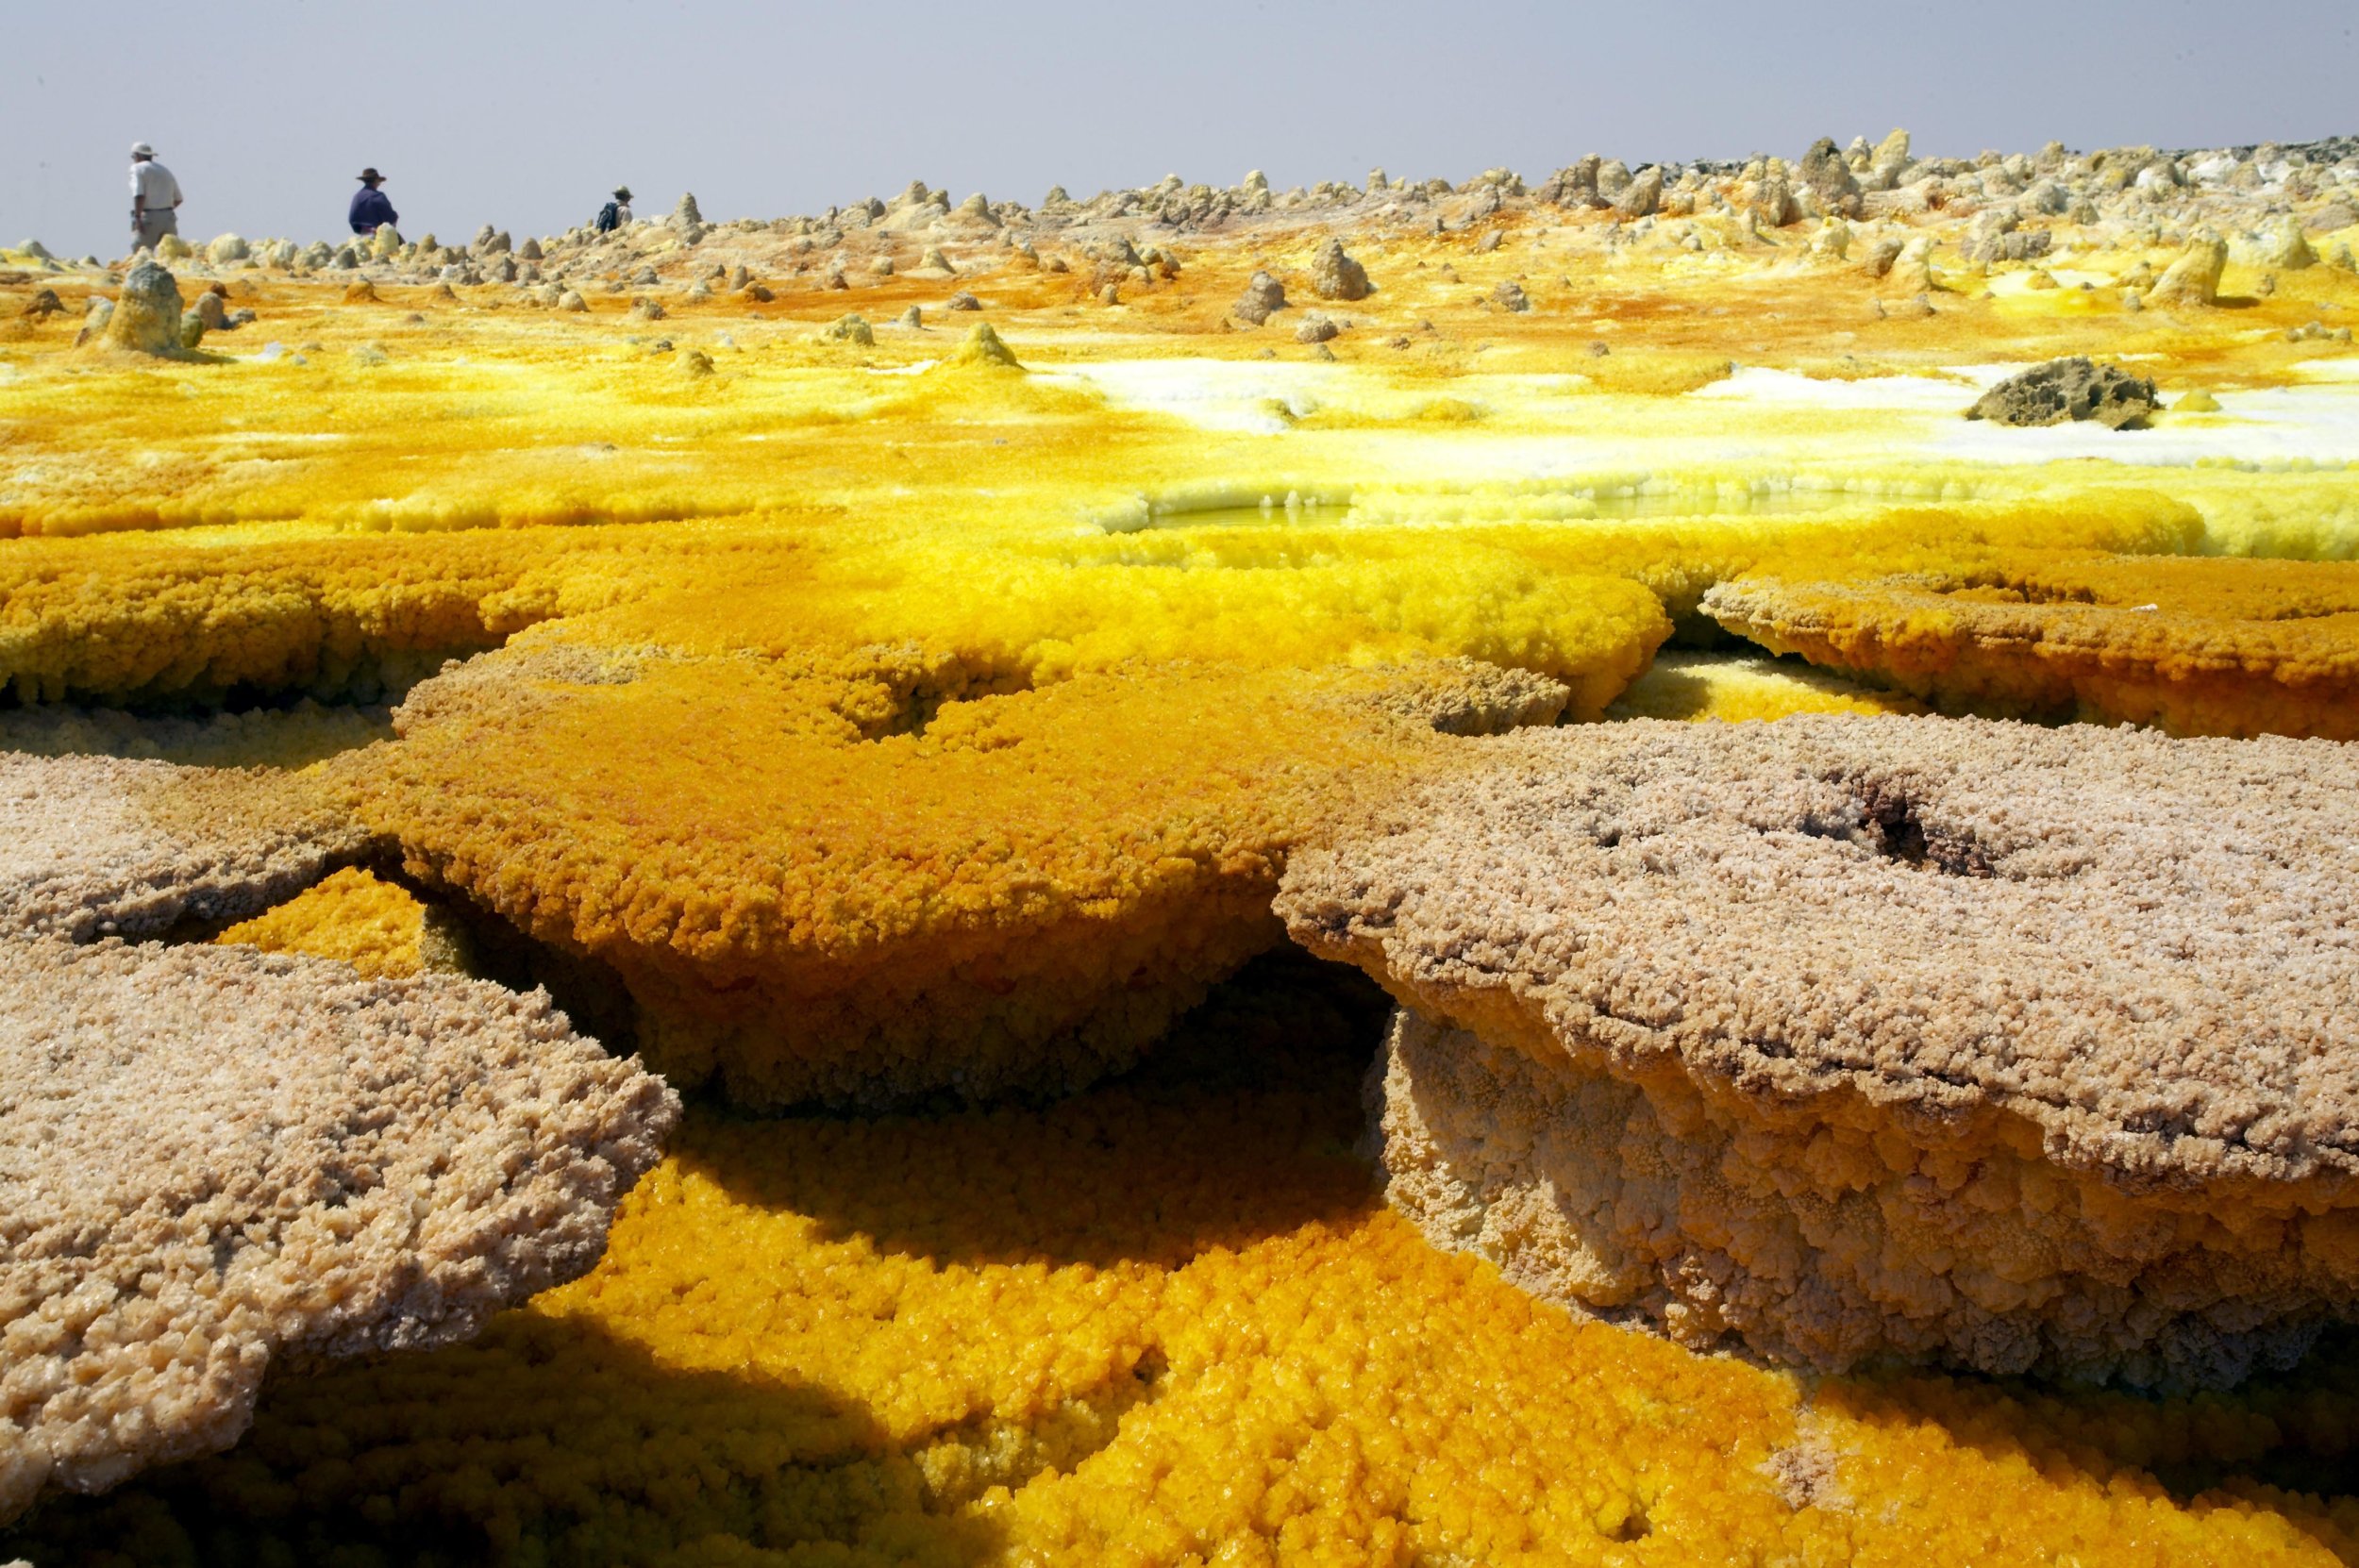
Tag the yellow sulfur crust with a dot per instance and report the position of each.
(1707, 685)
(375, 926)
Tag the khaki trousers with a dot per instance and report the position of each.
(153, 227)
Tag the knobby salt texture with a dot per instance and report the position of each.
(2018, 1049)
(94, 846)
(212, 1157)
(2200, 647)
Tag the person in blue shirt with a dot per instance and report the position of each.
(369, 207)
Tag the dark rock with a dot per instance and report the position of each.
(1830, 177)
(1998, 236)
(2023, 244)
(1883, 256)
(2071, 389)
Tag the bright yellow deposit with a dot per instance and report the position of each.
(1736, 689)
(375, 926)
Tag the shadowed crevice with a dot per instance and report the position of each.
(548, 1441)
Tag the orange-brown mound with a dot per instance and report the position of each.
(859, 877)
(2196, 646)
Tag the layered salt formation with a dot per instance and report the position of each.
(2202, 646)
(93, 846)
(217, 1158)
(1111, 697)
(1851, 1039)
(212, 1159)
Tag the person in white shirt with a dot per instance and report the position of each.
(155, 195)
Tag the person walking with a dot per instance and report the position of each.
(370, 208)
(155, 199)
(616, 213)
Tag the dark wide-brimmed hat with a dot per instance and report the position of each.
(370, 176)
(622, 192)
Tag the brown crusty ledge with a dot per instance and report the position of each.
(2022, 1049)
(212, 1159)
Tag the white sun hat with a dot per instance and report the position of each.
(141, 149)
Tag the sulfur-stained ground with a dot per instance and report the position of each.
(900, 749)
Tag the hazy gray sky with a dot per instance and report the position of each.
(523, 114)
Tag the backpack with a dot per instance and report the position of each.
(610, 217)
